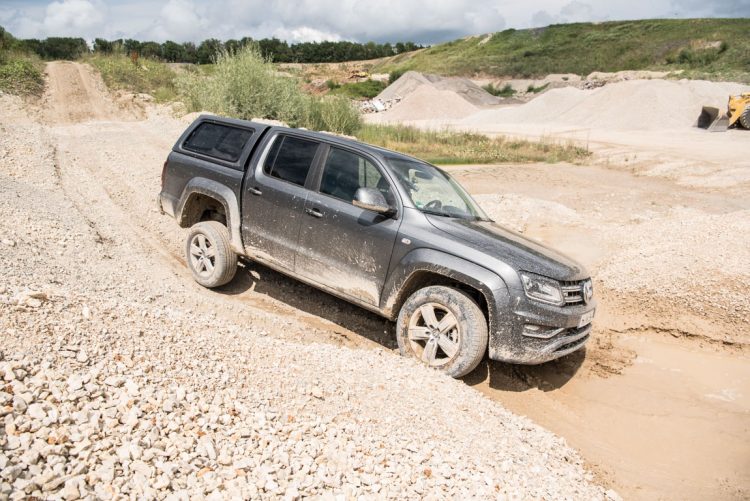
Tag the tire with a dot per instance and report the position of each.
(416, 329)
(209, 256)
(745, 118)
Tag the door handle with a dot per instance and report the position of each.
(314, 212)
(256, 191)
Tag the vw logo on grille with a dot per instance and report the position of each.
(588, 291)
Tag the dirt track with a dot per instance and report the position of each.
(658, 406)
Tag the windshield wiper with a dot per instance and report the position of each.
(467, 217)
(438, 213)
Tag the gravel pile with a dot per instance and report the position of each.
(121, 378)
(626, 105)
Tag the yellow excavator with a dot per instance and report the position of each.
(738, 112)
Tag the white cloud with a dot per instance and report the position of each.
(577, 11)
(178, 20)
(425, 21)
(73, 17)
(305, 34)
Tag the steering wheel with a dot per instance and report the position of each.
(434, 205)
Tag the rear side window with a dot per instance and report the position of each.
(290, 159)
(219, 141)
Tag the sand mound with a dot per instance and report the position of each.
(628, 105)
(424, 97)
(429, 103)
(412, 81)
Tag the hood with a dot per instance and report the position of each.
(511, 248)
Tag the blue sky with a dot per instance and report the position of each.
(314, 20)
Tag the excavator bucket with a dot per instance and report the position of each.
(713, 120)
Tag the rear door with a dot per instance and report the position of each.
(342, 246)
(274, 198)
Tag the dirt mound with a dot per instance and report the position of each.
(627, 105)
(428, 103)
(76, 93)
(424, 97)
(413, 81)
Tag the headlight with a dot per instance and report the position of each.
(542, 289)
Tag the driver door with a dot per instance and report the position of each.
(343, 247)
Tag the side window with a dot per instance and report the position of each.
(219, 141)
(345, 172)
(290, 159)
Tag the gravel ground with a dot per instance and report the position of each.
(120, 378)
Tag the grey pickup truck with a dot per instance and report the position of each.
(385, 231)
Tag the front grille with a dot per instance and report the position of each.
(572, 292)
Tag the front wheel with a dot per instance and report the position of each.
(444, 328)
(209, 255)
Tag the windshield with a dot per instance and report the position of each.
(434, 191)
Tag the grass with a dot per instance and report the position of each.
(147, 76)
(20, 70)
(713, 47)
(357, 90)
(536, 90)
(506, 91)
(21, 74)
(447, 147)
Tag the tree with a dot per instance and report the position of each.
(6, 39)
(172, 51)
(232, 45)
(190, 54)
(208, 49)
(151, 49)
(62, 48)
(103, 46)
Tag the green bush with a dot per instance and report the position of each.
(333, 114)
(20, 75)
(395, 75)
(245, 85)
(357, 90)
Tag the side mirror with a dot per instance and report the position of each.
(372, 199)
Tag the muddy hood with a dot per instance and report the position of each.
(511, 248)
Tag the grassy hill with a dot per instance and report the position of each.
(718, 48)
(20, 71)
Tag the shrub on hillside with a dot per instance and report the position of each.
(20, 76)
(245, 85)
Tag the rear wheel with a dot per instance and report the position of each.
(444, 328)
(745, 117)
(209, 256)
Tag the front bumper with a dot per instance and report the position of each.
(510, 341)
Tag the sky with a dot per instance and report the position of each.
(422, 21)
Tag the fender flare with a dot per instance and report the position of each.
(487, 282)
(221, 193)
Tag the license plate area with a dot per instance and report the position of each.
(586, 318)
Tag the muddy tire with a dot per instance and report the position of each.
(208, 254)
(745, 118)
(444, 328)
